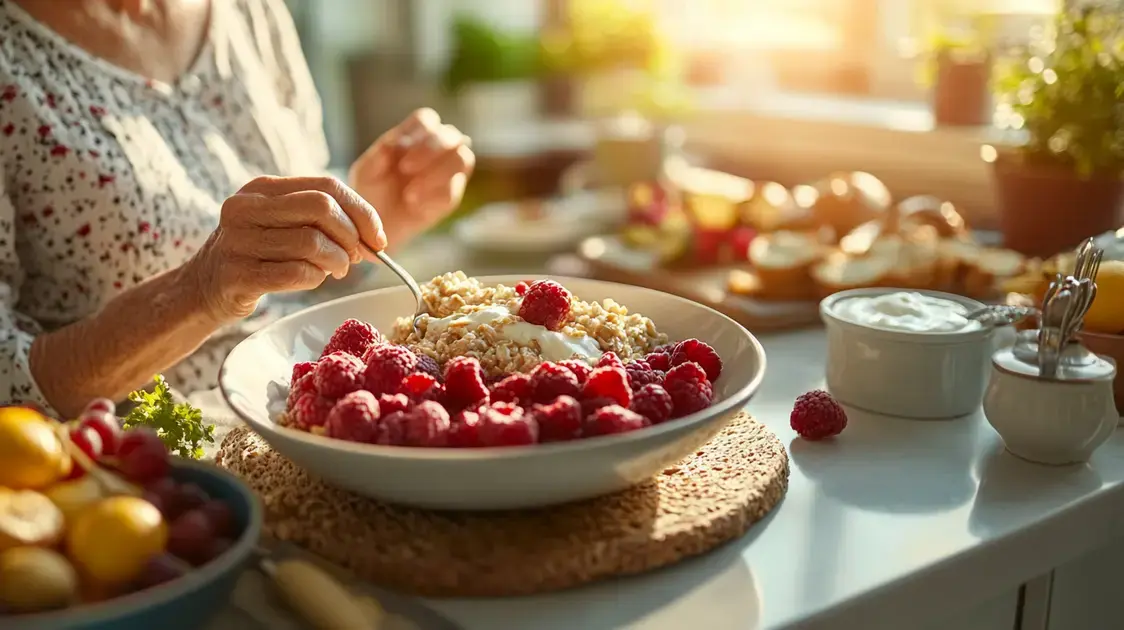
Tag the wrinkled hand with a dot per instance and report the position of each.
(415, 174)
(281, 234)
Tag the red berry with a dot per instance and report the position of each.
(103, 405)
(551, 380)
(504, 424)
(546, 303)
(816, 416)
(220, 516)
(514, 388)
(427, 365)
(521, 288)
(189, 496)
(387, 365)
(689, 389)
(608, 382)
(390, 403)
(310, 410)
(464, 430)
(427, 425)
(107, 428)
(420, 386)
(189, 536)
(653, 402)
(300, 370)
(464, 382)
(142, 456)
(89, 442)
(560, 420)
(658, 361)
(354, 418)
(640, 374)
(338, 374)
(589, 405)
(698, 352)
(306, 385)
(609, 359)
(581, 369)
(613, 419)
(353, 337)
(392, 429)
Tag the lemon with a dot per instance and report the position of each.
(1107, 313)
(112, 540)
(33, 579)
(28, 518)
(31, 453)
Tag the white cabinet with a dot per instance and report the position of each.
(1088, 593)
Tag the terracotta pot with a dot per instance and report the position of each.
(960, 93)
(1044, 210)
(1111, 346)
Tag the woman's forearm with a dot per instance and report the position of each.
(139, 333)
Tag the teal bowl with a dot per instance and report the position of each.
(184, 604)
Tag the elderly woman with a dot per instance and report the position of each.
(163, 166)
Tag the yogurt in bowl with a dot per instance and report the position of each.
(913, 354)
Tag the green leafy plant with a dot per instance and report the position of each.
(602, 35)
(966, 48)
(482, 54)
(1066, 91)
(179, 425)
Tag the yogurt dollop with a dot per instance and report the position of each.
(906, 311)
(554, 346)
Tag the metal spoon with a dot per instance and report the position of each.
(997, 315)
(421, 310)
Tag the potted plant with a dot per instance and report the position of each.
(958, 70)
(1065, 96)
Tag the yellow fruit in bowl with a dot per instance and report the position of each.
(35, 579)
(72, 497)
(111, 541)
(1107, 313)
(28, 518)
(31, 453)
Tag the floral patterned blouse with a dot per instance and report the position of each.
(109, 177)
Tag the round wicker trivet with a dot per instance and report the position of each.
(706, 500)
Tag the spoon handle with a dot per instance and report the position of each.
(399, 271)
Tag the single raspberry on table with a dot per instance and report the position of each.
(464, 430)
(505, 424)
(427, 425)
(419, 386)
(391, 429)
(609, 359)
(300, 370)
(581, 369)
(352, 337)
(560, 420)
(689, 388)
(310, 410)
(464, 382)
(546, 303)
(816, 415)
(658, 361)
(387, 365)
(653, 402)
(389, 403)
(609, 382)
(551, 380)
(640, 374)
(338, 374)
(699, 352)
(354, 418)
(589, 405)
(514, 388)
(613, 419)
(428, 365)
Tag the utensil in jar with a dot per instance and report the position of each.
(997, 315)
(1051, 335)
(421, 310)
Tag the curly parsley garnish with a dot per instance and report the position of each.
(179, 425)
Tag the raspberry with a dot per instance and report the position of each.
(546, 303)
(305, 385)
(609, 359)
(300, 369)
(698, 352)
(653, 402)
(464, 430)
(387, 365)
(338, 374)
(354, 418)
(613, 419)
(352, 337)
(427, 365)
(389, 403)
(589, 405)
(551, 380)
(419, 387)
(505, 424)
(689, 389)
(640, 374)
(609, 382)
(521, 288)
(560, 420)
(427, 425)
(515, 388)
(658, 361)
(391, 429)
(816, 416)
(580, 369)
(464, 382)
(310, 410)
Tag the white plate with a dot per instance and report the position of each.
(566, 221)
(488, 478)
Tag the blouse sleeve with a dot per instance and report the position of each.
(17, 330)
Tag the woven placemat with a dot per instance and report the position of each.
(708, 499)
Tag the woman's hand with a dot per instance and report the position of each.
(281, 234)
(415, 174)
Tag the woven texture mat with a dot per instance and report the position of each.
(708, 499)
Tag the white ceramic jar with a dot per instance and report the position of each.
(906, 353)
(1059, 420)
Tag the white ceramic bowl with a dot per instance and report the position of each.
(488, 478)
(907, 374)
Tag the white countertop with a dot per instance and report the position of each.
(892, 522)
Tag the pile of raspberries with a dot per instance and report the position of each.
(364, 389)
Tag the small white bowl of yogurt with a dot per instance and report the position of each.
(906, 353)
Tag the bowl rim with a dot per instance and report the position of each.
(114, 609)
(830, 318)
(732, 403)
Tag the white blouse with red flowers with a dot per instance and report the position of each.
(110, 178)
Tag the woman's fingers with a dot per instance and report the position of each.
(422, 156)
(310, 208)
(279, 277)
(444, 182)
(302, 243)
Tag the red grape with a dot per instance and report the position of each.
(105, 425)
(190, 496)
(161, 569)
(164, 489)
(87, 441)
(142, 456)
(103, 405)
(190, 537)
(220, 516)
